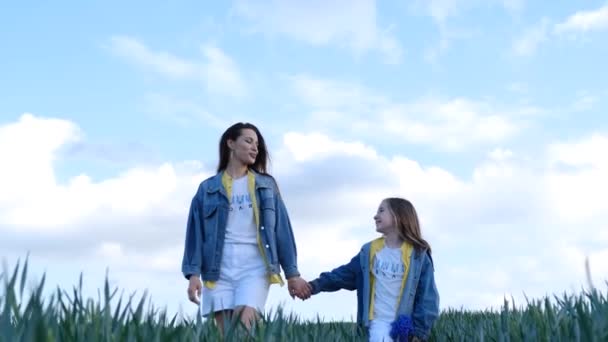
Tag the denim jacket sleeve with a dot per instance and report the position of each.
(343, 277)
(193, 250)
(426, 301)
(286, 244)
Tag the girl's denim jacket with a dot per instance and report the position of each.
(419, 297)
(207, 221)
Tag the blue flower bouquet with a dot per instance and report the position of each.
(401, 328)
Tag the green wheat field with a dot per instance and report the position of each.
(66, 315)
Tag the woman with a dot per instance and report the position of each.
(239, 233)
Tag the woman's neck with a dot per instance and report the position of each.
(392, 240)
(236, 170)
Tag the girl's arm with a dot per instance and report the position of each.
(426, 302)
(343, 277)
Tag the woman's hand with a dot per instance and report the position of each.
(299, 287)
(194, 289)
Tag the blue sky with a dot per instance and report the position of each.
(488, 115)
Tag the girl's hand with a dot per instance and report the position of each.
(194, 289)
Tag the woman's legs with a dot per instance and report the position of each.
(222, 318)
(242, 289)
(247, 315)
(251, 286)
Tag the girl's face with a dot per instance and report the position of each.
(385, 223)
(245, 147)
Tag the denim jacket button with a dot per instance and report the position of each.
(262, 227)
(267, 246)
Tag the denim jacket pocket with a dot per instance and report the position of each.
(208, 219)
(268, 212)
(209, 210)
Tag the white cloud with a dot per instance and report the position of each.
(505, 209)
(585, 101)
(588, 152)
(529, 41)
(320, 23)
(454, 124)
(519, 88)
(441, 11)
(28, 148)
(332, 94)
(597, 263)
(314, 146)
(222, 73)
(433, 53)
(31, 146)
(182, 112)
(489, 221)
(514, 5)
(579, 23)
(448, 124)
(127, 223)
(218, 72)
(585, 21)
(500, 154)
(577, 184)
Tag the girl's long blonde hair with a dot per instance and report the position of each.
(406, 220)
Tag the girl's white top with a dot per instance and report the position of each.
(388, 269)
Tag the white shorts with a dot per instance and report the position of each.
(243, 281)
(379, 331)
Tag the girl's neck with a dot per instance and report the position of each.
(236, 169)
(392, 240)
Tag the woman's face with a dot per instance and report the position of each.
(245, 147)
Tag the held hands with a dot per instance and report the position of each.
(299, 287)
(194, 289)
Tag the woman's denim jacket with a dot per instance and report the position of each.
(419, 300)
(206, 230)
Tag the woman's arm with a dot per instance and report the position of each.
(286, 244)
(193, 248)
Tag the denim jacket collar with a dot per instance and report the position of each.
(261, 181)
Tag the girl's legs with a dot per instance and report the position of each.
(379, 331)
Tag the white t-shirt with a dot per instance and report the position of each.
(388, 269)
(241, 225)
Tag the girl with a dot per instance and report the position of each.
(396, 294)
(238, 233)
